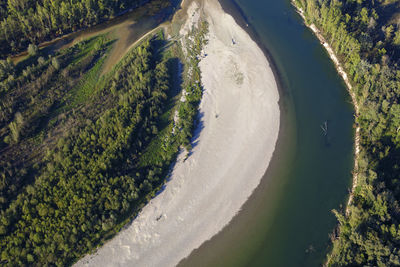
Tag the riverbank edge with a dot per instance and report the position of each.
(286, 133)
(279, 109)
(343, 74)
(241, 19)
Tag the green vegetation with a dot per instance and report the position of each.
(81, 153)
(193, 88)
(26, 22)
(29, 99)
(366, 36)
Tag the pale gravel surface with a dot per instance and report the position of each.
(240, 125)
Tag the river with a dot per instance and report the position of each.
(288, 219)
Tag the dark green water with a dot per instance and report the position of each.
(287, 220)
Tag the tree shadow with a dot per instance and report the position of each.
(388, 168)
(199, 126)
(176, 72)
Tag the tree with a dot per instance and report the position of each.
(55, 63)
(32, 49)
(396, 38)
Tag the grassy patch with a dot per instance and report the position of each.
(87, 85)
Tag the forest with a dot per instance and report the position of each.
(81, 152)
(31, 22)
(365, 36)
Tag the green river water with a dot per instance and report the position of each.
(288, 219)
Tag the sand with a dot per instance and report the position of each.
(234, 144)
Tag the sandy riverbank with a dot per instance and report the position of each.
(236, 139)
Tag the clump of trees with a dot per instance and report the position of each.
(84, 188)
(31, 99)
(6, 69)
(103, 157)
(366, 38)
(16, 127)
(33, 49)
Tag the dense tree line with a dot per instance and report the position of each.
(74, 167)
(78, 185)
(80, 192)
(23, 22)
(366, 37)
(29, 97)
